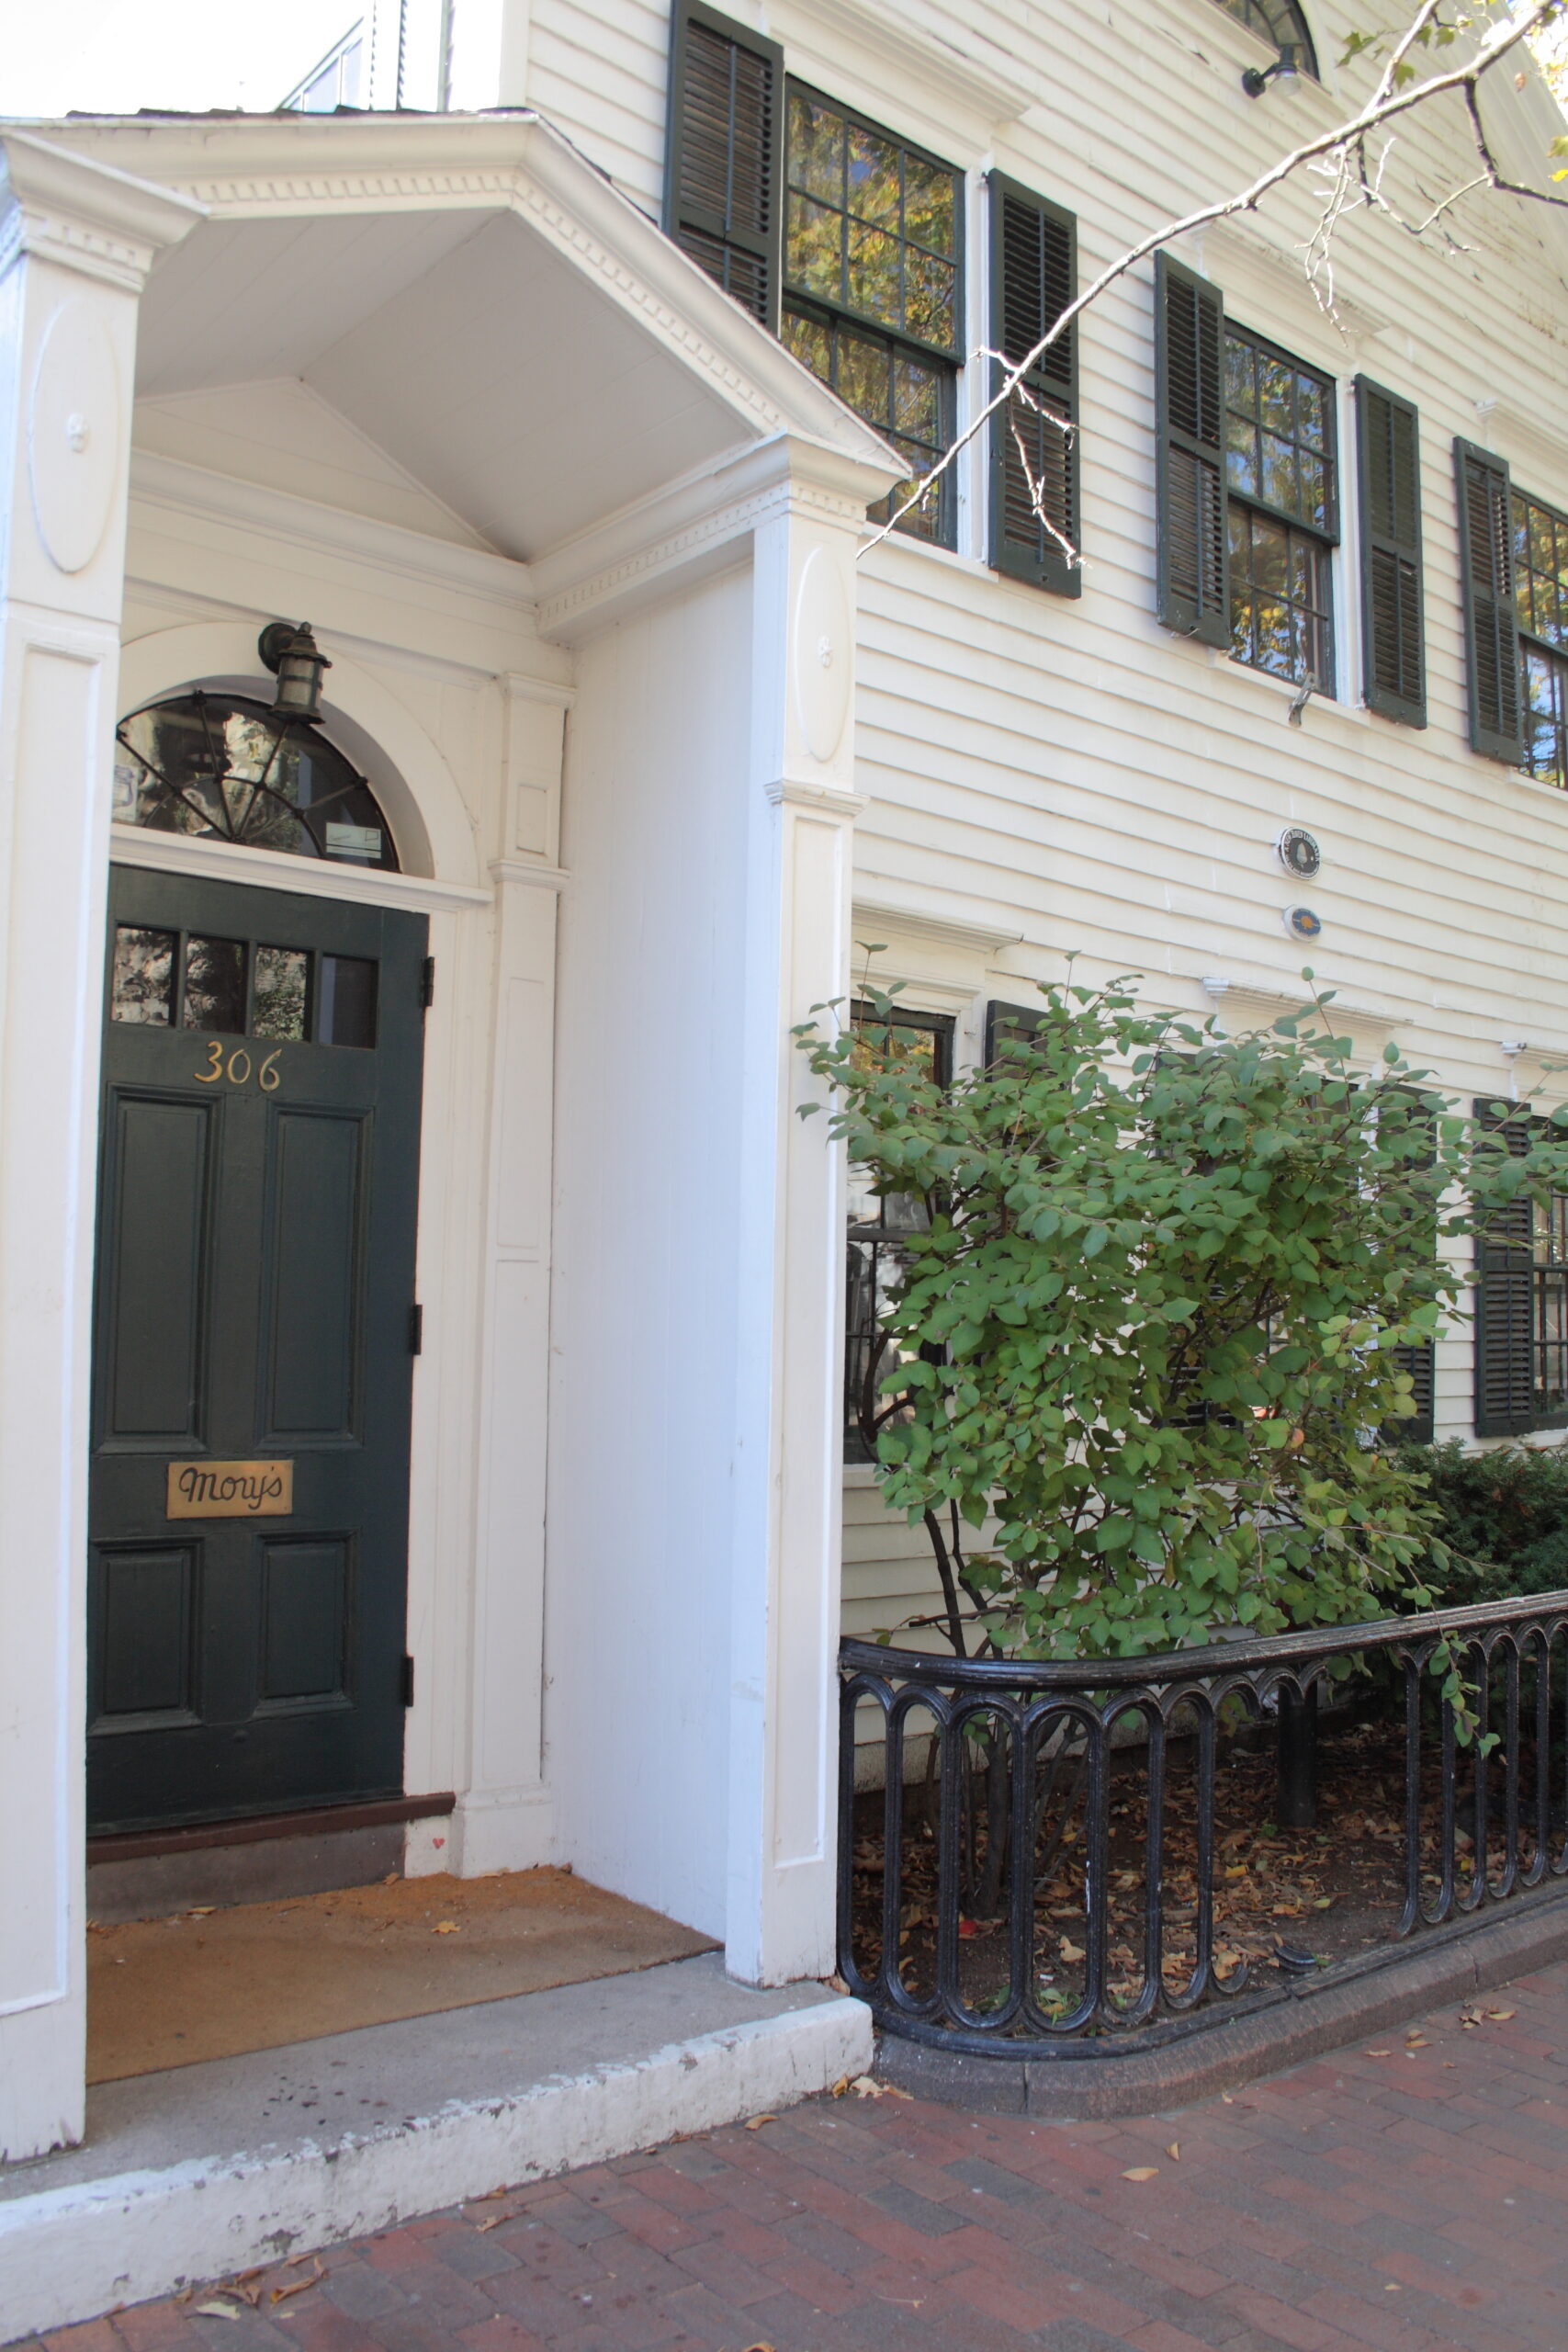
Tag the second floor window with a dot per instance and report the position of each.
(871, 282)
(1540, 590)
(1282, 511)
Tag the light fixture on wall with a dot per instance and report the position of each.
(1286, 70)
(299, 665)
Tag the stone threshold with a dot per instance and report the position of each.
(191, 2175)
(1097, 2083)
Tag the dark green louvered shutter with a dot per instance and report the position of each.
(1505, 1307)
(1035, 465)
(1491, 630)
(1190, 457)
(1393, 634)
(1010, 1024)
(724, 161)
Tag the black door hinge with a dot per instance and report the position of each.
(416, 1330)
(406, 1681)
(427, 982)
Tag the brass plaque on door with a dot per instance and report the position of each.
(230, 1491)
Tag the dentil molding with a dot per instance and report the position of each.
(89, 216)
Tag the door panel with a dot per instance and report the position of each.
(154, 1277)
(143, 1617)
(262, 1071)
(305, 1623)
(317, 1277)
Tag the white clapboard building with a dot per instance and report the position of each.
(453, 721)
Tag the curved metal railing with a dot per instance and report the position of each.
(1063, 1816)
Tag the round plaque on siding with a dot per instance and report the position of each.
(74, 436)
(820, 656)
(1299, 853)
(1301, 923)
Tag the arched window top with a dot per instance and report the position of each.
(1276, 22)
(220, 767)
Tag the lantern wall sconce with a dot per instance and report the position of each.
(1286, 70)
(292, 655)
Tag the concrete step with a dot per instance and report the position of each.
(202, 2170)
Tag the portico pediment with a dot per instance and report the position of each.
(466, 293)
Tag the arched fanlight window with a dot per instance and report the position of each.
(222, 768)
(1278, 22)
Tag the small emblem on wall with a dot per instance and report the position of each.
(1301, 923)
(1298, 853)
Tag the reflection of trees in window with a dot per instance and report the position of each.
(921, 1044)
(142, 990)
(870, 263)
(277, 991)
(1283, 511)
(1540, 586)
(224, 768)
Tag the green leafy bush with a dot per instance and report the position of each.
(1154, 1297)
(1501, 1518)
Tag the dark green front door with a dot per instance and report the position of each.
(262, 1068)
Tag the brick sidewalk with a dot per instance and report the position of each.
(1399, 2197)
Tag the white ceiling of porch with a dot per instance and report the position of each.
(486, 366)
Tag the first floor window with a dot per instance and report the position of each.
(1282, 511)
(1540, 589)
(1521, 1311)
(879, 1226)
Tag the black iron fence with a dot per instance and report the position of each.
(1134, 1847)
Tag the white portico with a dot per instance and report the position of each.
(577, 539)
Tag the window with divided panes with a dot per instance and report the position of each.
(1540, 586)
(872, 282)
(841, 237)
(1521, 1307)
(879, 1223)
(1282, 511)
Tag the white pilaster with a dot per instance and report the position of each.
(788, 1454)
(503, 1812)
(77, 241)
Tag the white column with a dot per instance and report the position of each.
(785, 1625)
(77, 241)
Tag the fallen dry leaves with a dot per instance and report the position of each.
(281, 2295)
(1140, 2172)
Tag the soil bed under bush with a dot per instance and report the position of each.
(1325, 1893)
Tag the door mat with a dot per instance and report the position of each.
(200, 1985)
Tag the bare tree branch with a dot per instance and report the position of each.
(1492, 178)
(1387, 103)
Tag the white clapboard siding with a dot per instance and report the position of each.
(1067, 771)
(599, 71)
